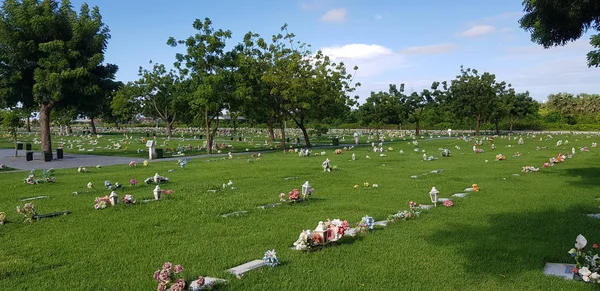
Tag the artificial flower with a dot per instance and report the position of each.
(448, 203)
(581, 242)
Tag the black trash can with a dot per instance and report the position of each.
(297, 140)
(59, 153)
(335, 141)
(288, 139)
(201, 136)
(28, 147)
(232, 138)
(29, 156)
(159, 153)
(47, 156)
(147, 134)
(19, 146)
(240, 138)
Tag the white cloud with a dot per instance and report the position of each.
(371, 59)
(504, 16)
(312, 5)
(378, 17)
(570, 74)
(335, 15)
(429, 49)
(478, 30)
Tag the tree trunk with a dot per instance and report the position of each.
(117, 125)
(511, 126)
(417, 127)
(15, 139)
(93, 126)
(69, 128)
(497, 122)
(271, 130)
(170, 122)
(45, 127)
(207, 131)
(28, 124)
(305, 134)
(478, 125)
(282, 136)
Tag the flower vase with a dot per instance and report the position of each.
(157, 195)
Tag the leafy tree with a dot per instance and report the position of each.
(311, 86)
(126, 103)
(259, 104)
(416, 105)
(11, 121)
(50, 54)
(473, 95)
(64, 116)
(382, 107)
(519, 106)
(557, 22)
(161, 94)
(210, 72)
(95, 107)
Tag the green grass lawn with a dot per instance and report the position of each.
(104, 144)
(496, 239)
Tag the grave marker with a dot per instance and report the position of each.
(560, 270)
(234, 213)
(34, 198)
(243, 268)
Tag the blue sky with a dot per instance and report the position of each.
(411, 42)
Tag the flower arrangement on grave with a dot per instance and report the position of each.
(294, 195)
(28, 212)
(133, 164)
(229, 185)
(529, 169)
(128, 199)
(2, 167)
(584, 149)
(2, 218)
(338, 151)
(101, 202)
(366, 223)
(475, 187)
(133, 182)
(82, 170)
(594, 145)
(405, 214)
(448, 203)
(145, 163)
(336, 229)
(588, 262)
(446, 153)
(170, 277)
(517, 154)
(547, 165)
(270, 258)
(327, 166)
(500, 157)
(166, 192)
(31, 179)
(98, 166)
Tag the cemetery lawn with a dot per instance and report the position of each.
(104, 144)
(496, 239)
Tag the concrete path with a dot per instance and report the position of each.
(72, 160)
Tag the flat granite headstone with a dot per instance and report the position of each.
(469, 190)
(269, 205)
(437, 171)
(53, 214)
(414, 177)
(234, 213)
(33, 198)
(425, 207)
(208, 281)
(243, 268)
(460, 195)
(382, 223)
(594, 215)
(516, 175)
(213, 191)
(443, 199)
(149, 200)
(560, 270)
(290, 178)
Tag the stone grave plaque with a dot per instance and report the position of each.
(443, 199)
(560, 270)
(290, 178)
(469, 190)
(425, 207)
(437, 171)
(594, 215)
(414, 177)
(243, 268)
(53, 214)
(234, 213)
(382, 223)
(460, 195)
(269, 205)
(34, 198)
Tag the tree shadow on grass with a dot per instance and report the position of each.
(588, 176)
(513, 243)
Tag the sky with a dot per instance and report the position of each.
(392, 42)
